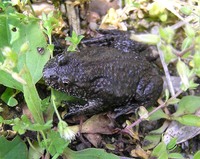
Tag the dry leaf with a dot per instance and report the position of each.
(94, 139)
(139, 152)
(98, 124)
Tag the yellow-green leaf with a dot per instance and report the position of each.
(190, 120)
(188, 105)
(146, 38)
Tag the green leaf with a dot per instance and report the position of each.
(168, 55)
(23, 124)
(8, 81)
(151, 140)
(154, 137)
(189, 31)
(164, 155)
(187, 105)
(13, 149)
(167, 34)
(175, 155)
(110, 147)
(172, 144)
(60, 96)
(4, 6)
(190, 120)
(8, 122)
(32, 98)
(146, 38)
(74, 40)
(8, 97)
(55, 144)
(185, 44)
(71, 48)
(19, 126)
(197, 155)
(160, 151)
(196, 62)
(163, 17)
(156, 8)
(187, 10)
(18, 30)
(173, 101)
(36, 152)
(39, 127)
(90, 153)
(184, 73)
(50, 22)
(158, 115)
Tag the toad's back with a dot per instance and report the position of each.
(111, 71)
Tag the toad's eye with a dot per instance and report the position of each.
(66, 83)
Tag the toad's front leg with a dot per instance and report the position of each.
(94, 106)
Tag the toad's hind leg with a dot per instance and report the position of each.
(129, 108)
(149, 90)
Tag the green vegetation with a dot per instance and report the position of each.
(24, 51)
(74, 40)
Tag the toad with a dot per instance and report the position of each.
(110, 73)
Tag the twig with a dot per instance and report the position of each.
(180, 54)
(129, 127)
(182, 22)
(168, 77)
(73, 18)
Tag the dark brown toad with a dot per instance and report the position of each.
(106, 77)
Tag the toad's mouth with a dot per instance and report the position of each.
(68, 87)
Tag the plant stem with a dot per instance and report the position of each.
(54, 105)
(30, 5)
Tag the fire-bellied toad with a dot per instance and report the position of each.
(105, 77)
